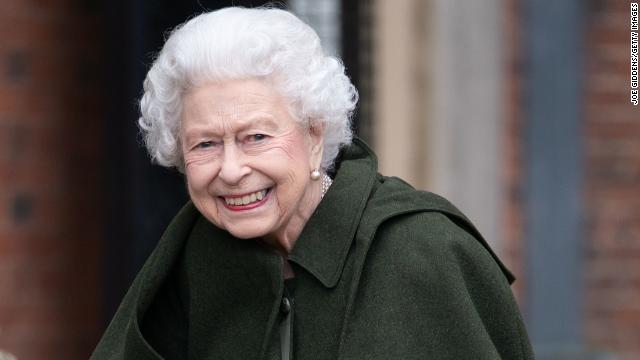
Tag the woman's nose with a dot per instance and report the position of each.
(234, 167)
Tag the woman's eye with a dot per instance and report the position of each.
(257, 137)
(204, 145)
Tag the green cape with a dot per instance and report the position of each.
(382, 272)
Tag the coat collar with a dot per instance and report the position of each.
(324, 243)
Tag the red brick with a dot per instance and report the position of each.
(612, 189)
(49, 261)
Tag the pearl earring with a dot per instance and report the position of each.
(315, 175)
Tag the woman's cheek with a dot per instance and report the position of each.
(200, 172)
(200, 159)
(195, 180)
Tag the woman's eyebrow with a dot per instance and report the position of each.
(262, 121)
(195, 132)
(265, 122)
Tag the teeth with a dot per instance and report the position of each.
(247, 199)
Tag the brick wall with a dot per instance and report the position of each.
(51, 129)
(612, 194)
(611, 128)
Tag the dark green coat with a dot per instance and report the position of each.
(382, 272)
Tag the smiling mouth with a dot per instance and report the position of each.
(245, 201)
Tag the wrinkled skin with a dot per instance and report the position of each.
(239, 137)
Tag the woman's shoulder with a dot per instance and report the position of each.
(396, 205)
(392, 195)
(424, 263)
(423, 226)
(427, 236)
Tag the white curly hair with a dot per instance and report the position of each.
(239, 43)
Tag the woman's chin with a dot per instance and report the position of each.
(251, 231)
(245, 234)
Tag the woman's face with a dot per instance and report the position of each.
(247, 160)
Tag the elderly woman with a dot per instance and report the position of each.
(293, 246)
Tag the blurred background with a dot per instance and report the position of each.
(516, 110)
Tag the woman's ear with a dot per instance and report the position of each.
(316, 137)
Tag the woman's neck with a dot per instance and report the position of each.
(284, 239)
